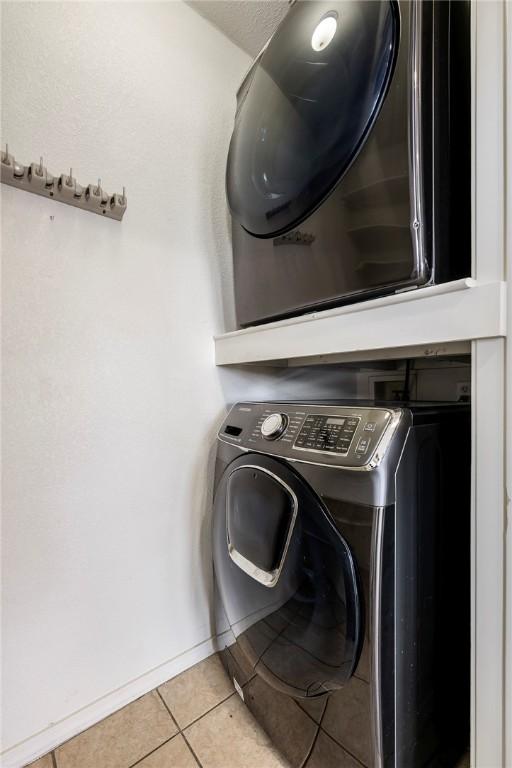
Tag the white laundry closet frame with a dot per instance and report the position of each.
(492, 395)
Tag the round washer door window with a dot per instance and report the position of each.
(307, 108)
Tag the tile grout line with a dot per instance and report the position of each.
(190, 747)
(345, 748)
(210, 710)
(182, 730)
(313, 745)
(137, 762)
(200, 718)
(168, 710)
(178, 727)
(316, 722)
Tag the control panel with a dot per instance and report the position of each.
(344, 435)
(327, 433)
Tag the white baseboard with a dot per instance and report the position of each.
(57, 733)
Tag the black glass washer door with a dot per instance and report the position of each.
(286, 577)
(307, 109)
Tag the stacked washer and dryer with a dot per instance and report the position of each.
(341, 530)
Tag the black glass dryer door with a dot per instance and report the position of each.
(306, 109)
(286, 577)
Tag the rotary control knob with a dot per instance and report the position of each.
(274, 426)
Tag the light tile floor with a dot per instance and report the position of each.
(195, 719)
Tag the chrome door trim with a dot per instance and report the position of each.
(415, 141)
(375, 629)
(267, 578)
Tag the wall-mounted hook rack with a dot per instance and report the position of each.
(64, 188)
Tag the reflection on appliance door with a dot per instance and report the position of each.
(303, 633)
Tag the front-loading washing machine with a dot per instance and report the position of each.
(349, 167)
(341, 545)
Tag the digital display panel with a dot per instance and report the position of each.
(328, 434)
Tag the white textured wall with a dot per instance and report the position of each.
(111, 397)
(249, 23)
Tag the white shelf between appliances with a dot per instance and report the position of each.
(433, 320)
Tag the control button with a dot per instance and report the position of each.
(363, 445)
(274, 426)
(370, 426)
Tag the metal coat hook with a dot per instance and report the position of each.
(64, 188)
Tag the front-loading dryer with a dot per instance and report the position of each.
(349, 167)
(341, 558)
